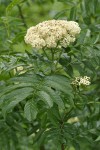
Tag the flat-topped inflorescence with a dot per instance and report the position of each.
(52, 34)
(81, 81)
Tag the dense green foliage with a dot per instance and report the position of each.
(39, 107)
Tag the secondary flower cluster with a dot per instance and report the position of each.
(81, 81)
(52, 34)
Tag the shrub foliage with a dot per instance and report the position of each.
(39, 107)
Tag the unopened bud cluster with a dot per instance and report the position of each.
(52, 34)
(81, 81)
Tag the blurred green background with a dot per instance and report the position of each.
(16, 17)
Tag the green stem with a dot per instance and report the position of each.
(52, 63)
(6, 24)
(42, 147)
(52, 52)
(58, 58)
(53, 66)
(62, 147)
(45, 53)
(61, 128)
(22, 16)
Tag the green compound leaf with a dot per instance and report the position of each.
(98, 138)
(54, 96)
(46, 98)
(59, 83)
(30, 110)
(11, 99)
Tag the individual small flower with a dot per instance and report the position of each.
(81, 81)
(52, 34)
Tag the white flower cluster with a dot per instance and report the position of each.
(52, 34)
(81, 81)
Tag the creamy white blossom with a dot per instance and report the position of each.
(52, 34)
(81, 81)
